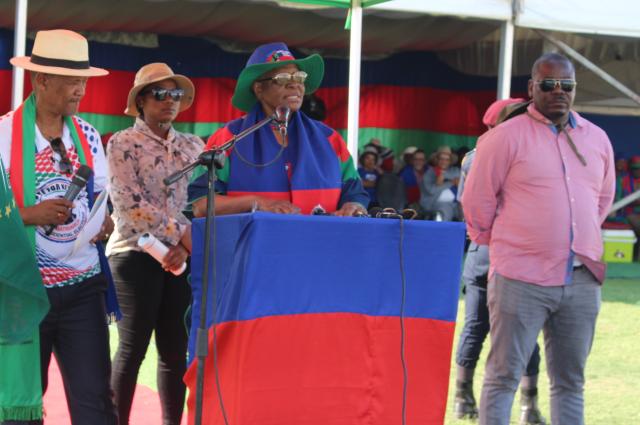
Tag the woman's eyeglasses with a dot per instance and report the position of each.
(285, 78)
(161, 94)
(549, 84)
(64, 163)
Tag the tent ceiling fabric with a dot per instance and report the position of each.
(464, 32)
(620, 57)
(252, 22)
(611, 17)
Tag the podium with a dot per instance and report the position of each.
(309, 323)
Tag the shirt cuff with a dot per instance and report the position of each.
(481, 238)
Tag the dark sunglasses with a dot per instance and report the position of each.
(549, 84)
(57, 146)
(285, 78)
(161, 94)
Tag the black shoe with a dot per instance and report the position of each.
(464, 405)
(529, 411)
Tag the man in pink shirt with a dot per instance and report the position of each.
(540, 187)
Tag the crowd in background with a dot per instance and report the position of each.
(424, 182)
(627, 182)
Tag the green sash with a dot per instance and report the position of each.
(23, 304)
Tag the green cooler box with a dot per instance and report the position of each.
(618, 246)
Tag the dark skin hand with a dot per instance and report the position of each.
(240, 204)
(49, 211)
(179, 253)
(349, 209)
(277, 206)
(105, 230)
(175, 257)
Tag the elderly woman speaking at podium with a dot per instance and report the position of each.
(291, 171)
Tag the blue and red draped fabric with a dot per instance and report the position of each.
(315, 168)
(427, 109)
(309, 323)
(424, 109)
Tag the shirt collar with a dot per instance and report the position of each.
(141, 126)
(575, 120)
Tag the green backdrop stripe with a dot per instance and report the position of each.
(395, 139)
(111, 123)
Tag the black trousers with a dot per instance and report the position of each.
(150, 300)
(75, 330)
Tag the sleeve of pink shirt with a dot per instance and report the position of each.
(608, 190)
(483, 185)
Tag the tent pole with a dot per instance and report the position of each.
(590, 66)
(19, 47)
(506, 60)
(355, 48)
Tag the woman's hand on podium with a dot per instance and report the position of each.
(275, 206)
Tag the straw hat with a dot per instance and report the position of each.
(410, 150)
(268, 57)
(152, 73)
(59, 52)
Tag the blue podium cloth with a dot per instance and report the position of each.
(273, 265)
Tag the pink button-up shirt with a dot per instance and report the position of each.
(530, 198)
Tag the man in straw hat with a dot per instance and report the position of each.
(153, 298)
(539, 189)
(283, 173)
(42, 144)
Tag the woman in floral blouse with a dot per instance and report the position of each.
(151, 297)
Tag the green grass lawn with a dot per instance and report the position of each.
(613, 369)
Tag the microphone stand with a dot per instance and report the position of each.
(211, 158)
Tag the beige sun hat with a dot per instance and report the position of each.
(59, 52)
(152, 73)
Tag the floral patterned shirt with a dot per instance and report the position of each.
(138, 161)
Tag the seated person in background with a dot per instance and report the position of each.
(412, 174)
(369, 173)
(385, 155)
(405, 161)
(631, 184)
(269, 171)
(618, 218)
(439, 187)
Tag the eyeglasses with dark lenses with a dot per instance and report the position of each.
(161, 94)
(64, 163)
(285, 78)
(549, 84)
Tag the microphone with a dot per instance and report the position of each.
(78, 183)
(281, 117)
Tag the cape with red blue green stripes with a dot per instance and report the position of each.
(314, 169)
